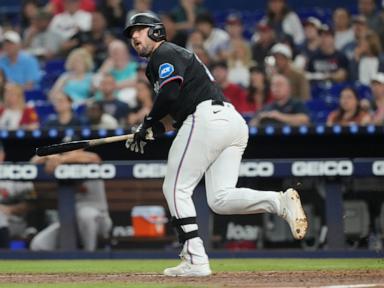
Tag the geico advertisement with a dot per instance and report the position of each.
(322, 168)
(18, 171)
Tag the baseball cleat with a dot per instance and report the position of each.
(186, 269)
(293, 213)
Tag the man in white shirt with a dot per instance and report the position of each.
(72, 20)
(216, 41)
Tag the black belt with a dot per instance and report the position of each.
(218, 102)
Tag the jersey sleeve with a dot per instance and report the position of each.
(169, 66)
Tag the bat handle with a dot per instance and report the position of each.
(96, 142)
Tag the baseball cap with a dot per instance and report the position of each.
(233, 19)
(282, 49)
(379, 78)
(263, 27)
(326, 29)
(359, 19)
(313, 21)
(12, 36)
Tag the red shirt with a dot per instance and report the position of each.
(86, 5)
(238, 97)
(29, 116)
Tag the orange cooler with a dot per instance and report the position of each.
(148, 221)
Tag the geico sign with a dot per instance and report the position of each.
(153, 170)
(378, 168)
(322, 168)
(252, 169)
(18, 172)
(88, 171)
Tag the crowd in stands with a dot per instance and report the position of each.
(66, 64)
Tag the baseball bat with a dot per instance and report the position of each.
(74, 145)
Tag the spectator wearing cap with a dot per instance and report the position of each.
(233, 92)
(39, 40)
(262, 42)
(349, 110)
(71, 20)
(367, 59)
(377, 106)
(15, 113)
(341, 19)
(19, 66)
(283, 109)
(327, 64)
(284, 21)
(283, 65)
(311, 44)
(64, 117)
(216, 40)
(375, 21)
(175, 36)
(360, 29)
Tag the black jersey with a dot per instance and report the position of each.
(170, 62)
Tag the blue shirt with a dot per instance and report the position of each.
(79, 89)
(25, 69)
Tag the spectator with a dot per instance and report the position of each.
(283, 65)
(173, 35)
(195, 39)
(58, 6)
(349, 111)
(216, 41)
(239, 62)
(76, 82)
(360, 29)
(328, 64)
(92, 214)
(258, 90)
(377, 87)
(39, 40)
(120, 66)
(367, 60)
(145, 99)
(342, 27)
(95, 41)
(263, 41)
(17, 198)
(115, 13)
(311, 43)
(64, 118)
(233, 92)
(15, 114)
(186, 12)
(111, 105)
(29, 10)
(139, 6)
(235, 28)
(98, 119)
(19, 66)
(3, 82)
(283, 109)
(71, 20)
(375, 21)
(284, 21)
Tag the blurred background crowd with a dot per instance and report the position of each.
(64, 63)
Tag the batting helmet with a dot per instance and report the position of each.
(156, 29)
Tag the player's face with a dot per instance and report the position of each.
(141, 42)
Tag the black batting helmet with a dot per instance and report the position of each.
(156, 29)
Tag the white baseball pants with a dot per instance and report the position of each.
(211, 142)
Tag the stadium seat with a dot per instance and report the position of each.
(356, 219)
(44, 110)
(35, 95)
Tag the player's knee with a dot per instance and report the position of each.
(218, 203)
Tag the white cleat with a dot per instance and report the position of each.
(186, 269)
(293, 213)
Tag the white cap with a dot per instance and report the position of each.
(282, 49)
(314, 21)
(379, 77)
(12, 36)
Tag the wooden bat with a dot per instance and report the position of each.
(74, 145)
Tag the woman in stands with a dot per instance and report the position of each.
(14, 113)
(349, 111)
(76, 82)
(284, 21)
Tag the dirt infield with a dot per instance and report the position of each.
(372, 278)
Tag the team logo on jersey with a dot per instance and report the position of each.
(165, 70)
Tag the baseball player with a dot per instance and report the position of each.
(210, 140)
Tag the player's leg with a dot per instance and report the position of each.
(185, 168)
(88, 226)
(47, 239)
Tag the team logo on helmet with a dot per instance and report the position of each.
(165, 70)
